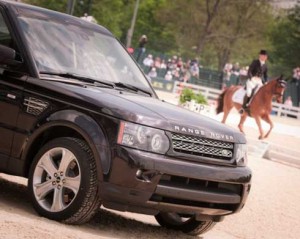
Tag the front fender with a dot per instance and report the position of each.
(87, 127)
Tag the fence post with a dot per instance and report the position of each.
(279, 110)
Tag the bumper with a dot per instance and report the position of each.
(148, 183)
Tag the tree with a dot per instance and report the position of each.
(160, 37)
(240, 30)
(108, 13)
(218, 29)
(55, 5)
(285, 38)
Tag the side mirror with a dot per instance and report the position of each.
(7, 55)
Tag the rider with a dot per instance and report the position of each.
(257, 76)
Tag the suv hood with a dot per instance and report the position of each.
(177, 119)
(145, 110)
(159, 114)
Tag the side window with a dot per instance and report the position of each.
(5, 37)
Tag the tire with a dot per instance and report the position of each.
(63, 182)
(187, 225)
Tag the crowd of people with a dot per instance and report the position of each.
(235, 69)
(175, 68)
(171, 69)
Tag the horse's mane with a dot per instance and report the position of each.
(266, 86)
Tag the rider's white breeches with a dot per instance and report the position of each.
(252, 83)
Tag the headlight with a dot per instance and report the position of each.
(143, 137)
(241, 154)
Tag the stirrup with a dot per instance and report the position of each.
(241, 111)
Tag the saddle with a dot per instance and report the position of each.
(238, 96)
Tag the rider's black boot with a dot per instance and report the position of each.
(245, 104)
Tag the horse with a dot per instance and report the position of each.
(260, 105)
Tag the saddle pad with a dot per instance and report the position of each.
(238, 96)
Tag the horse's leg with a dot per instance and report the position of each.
(241, 124)
(267, 118)
(226, 110)
(225, 115)
(261, 132)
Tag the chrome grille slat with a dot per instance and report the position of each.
(210, 148)
(205, 141)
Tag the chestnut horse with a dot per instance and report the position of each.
(260, 106)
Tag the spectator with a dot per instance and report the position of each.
(163, 64)
(169, 64)
(244, 71)
(148, 61)
(227, 71)
(180, 63)
(236, 69)
(288, 101)
(296, 79)
(152, 73)
(168, 76)
(296, 75)
(141, 49)
(173, 65)
(157, 62)
(186, 72)
(176, 74)
(194, 68)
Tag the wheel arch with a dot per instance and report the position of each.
(70, 123)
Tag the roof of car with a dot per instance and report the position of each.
(31, 10)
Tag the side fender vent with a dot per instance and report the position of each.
(35, 106)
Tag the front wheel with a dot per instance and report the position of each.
(63, 182)
(187, 225)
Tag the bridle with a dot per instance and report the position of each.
(282, 84)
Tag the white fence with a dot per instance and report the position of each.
(285, 110)
(209, 93)
(213, 94)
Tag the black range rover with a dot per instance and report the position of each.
(79, 119)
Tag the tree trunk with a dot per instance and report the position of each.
(211, 14)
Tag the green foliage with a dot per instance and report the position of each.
(188, 95)
(109, 14)
(285, 38)
(200, 99)
(235, 32)
(56, 5)
(160, 36)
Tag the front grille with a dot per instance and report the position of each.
(198, 184)
(198, 146)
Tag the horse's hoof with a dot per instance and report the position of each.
(260, 137)
(241, 129)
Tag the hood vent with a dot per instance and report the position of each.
(35, 106)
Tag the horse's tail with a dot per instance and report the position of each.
(221, 102)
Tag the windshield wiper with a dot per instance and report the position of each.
(92, 81)
(132, 87)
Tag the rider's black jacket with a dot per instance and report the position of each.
(257, 69)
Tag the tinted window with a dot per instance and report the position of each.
(61, 46)
(5, 38)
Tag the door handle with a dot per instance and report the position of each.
(11, 96)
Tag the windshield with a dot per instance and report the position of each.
(62, 47)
